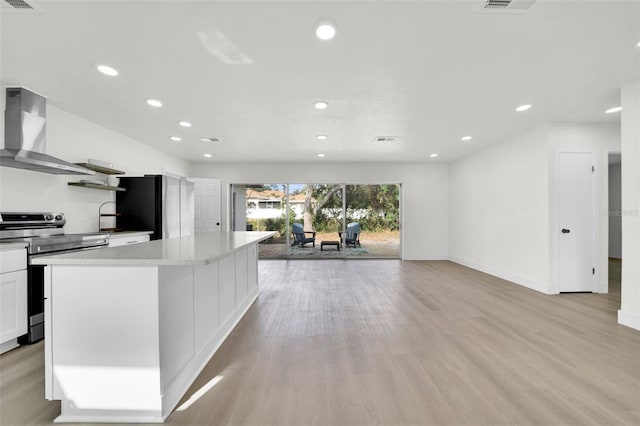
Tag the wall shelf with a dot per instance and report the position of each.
(100, 169)
(96, 186)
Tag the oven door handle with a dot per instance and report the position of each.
(53, 253)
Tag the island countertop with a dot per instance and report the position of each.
(199, 249)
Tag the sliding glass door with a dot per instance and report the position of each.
(321, 220)
(373, 221)
(262, 207)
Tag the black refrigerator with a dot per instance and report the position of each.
(158, 203)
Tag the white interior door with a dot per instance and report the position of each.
(576, 232)
(207, 204)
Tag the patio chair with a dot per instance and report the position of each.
(300, 236)
(353, 235)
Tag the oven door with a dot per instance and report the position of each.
(35, 305)
(35, 297)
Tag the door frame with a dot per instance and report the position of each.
(605, 270)
(555, 221)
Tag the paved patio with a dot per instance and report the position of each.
(372, 245)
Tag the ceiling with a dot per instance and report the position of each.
(429, 72)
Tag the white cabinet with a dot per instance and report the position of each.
(13, 297)
(116, 240)
(205, 303)
(252, 268)
(241, 275)
(170, 321)
(227, 287)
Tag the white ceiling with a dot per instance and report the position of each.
(427, 71)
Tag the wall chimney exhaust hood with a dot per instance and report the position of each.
(25, 136)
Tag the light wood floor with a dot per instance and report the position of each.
(375, 342)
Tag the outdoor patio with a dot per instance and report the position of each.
(372, 245)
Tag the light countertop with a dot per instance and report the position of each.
(200, 249)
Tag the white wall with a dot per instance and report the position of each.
(499, 210)
(615, 209)
(629, 313)
(240, 210)
(74, 139)
(502, 204)
(425, 193)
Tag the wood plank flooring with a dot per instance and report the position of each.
(386, 342)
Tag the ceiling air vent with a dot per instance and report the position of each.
(497, 4)
(19, 4)
(511, 6)
(386, 139)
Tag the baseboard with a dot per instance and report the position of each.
(8, 345)
(425, 257)
(525, 282)
(629, 319)
(603, 288)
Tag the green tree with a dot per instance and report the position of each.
(375, 207)
(316, 198)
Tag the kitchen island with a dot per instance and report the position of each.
(128, 329)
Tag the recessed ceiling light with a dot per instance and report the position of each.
(466, 138)
(184, 123)
(154, 103)
(322, 137)
(320, 155)
(434, 155)
(325, 30)
(321, 104)
(107, 70)
(612, 110)
(207, 155)
(175, 138)
(210, 139)
(523, 107)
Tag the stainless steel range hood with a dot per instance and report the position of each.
(25, 136)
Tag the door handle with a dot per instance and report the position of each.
(565, 230)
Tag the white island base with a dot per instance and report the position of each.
(125, 342)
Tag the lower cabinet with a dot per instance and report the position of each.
(227, 283)
(206, 304)
(13, 297)
(152, 327)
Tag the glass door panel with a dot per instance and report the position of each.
(262, 208)
(317, 219)
(373, 221)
